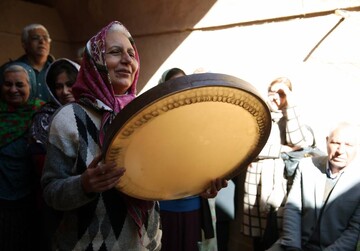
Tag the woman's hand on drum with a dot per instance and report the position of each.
(100, 177)
(215, 186)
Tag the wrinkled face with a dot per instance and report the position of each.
(63, 88)
(342, 147)
(120, 60)
(277, 97)
(38, 43)
(15, 89)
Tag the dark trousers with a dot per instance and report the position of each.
(181, 231)
(17, 229)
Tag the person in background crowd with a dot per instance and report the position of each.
(79, 55)
(322, 211)
(261, 191)
(97, 216)
(35, 40)
(60, 77)
(17, 176)
(171, 74)
(188, 222)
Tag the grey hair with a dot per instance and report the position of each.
(353, 125)
(121, 28)
(114, 27)
(17, 68)
(30, 27)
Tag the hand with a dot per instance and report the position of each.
(286, 95)
(215, 186)
(100, 177)
(286, 148)
(280, 97)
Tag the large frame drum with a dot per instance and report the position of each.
(178, 136)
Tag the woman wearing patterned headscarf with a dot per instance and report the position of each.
(60, 77)
(96, 216)
(17, 179)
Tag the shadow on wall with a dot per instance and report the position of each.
(72, 22)
(153, 32)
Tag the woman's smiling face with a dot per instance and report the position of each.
(121, 61)
(15, 90)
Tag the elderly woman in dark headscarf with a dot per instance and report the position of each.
(96, 216)
(17, 179)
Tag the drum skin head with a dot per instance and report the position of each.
(177, 137)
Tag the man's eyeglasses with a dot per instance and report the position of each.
(38, 38)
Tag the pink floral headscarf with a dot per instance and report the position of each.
(93, 87)
(93, 83)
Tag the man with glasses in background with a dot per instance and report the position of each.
(36, 41)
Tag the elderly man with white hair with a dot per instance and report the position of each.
(35, 40)
(322, 211)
